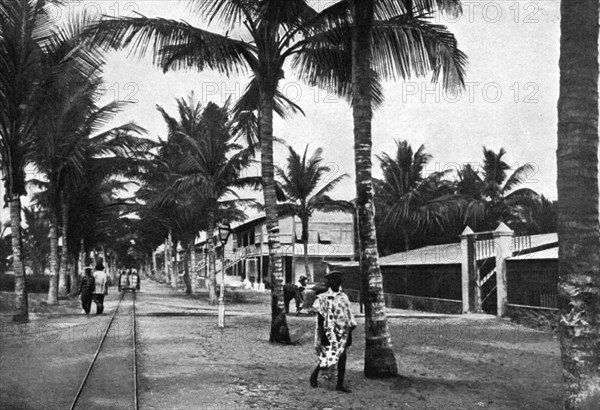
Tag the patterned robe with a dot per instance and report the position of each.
(338, 321)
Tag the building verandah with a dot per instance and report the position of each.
(246, 255)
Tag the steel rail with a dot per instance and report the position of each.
(135, 389)
(89, 370)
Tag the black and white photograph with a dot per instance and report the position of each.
(299, 205)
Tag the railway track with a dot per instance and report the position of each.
(111, 378)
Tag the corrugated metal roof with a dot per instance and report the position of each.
(450, 253)
(446, 254)
(543, 239)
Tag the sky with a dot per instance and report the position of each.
(509, 100)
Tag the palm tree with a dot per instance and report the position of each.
(371, 40)
(408, 201)
(297, 185)
(577, 182)
(24, 31)
(491, 197)
(209, 168)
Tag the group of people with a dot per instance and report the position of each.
(129, 280)
(93, 287)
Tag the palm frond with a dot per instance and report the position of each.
(406, 47)
(174, 44)
(519, 176)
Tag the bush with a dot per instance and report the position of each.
(35, 283)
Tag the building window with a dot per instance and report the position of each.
(324, 237)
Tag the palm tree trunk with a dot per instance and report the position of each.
(186, 270)
(76, 273)
(379, 355)
(166, 258)
(103, 256)
(578, 224)
(174, 270)
(64, 256)
(279, 328)
(53, 288)
(193, 273)
(305, 245)
(21, 306)
(153, 261)
(210, 245)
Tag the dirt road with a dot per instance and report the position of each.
(186, 362)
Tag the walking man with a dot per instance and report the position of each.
(86, 290)
(100, 288)
(333, 331)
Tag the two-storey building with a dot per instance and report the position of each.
(246, 254)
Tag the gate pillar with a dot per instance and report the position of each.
(503, 236)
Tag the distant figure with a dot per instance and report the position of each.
(294, 291)
(333, 331)
(134, 280)
(123, 280)
(86, 290)
(100, 288)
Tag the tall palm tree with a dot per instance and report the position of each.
(578, 226)
(491, 197)
(209, 168)
(300, 193)
(24, 30)
(371, 40)
(409, 202)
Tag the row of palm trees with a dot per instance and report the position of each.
(50, 120)
(193, 182)
(414, 209)
(195, 179)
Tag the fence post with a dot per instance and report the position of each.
(465, 267)
(503, 237)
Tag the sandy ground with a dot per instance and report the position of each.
(186, 362)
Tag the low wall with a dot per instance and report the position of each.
(423, 304)
(535, 317)
(409, 302)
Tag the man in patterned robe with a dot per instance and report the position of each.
(333, 330)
